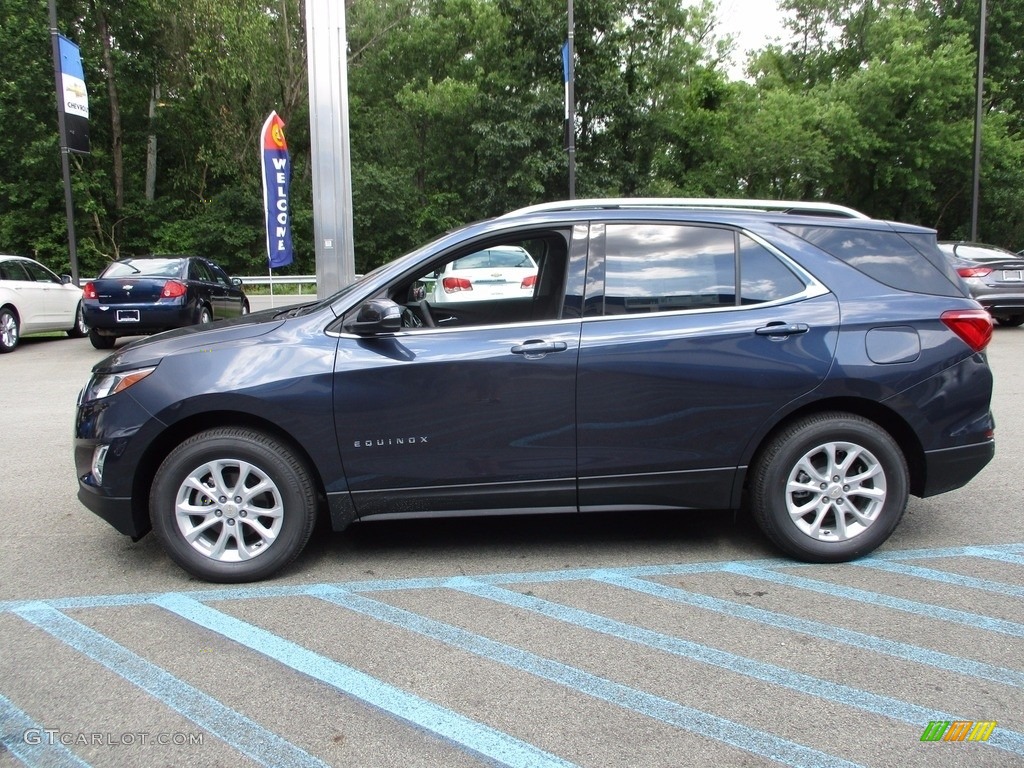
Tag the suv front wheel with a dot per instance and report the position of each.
(232, 505)
(830, 487)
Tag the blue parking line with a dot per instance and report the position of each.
(246, 736)
(457, 729)
(943, 577)
(28, 741)
(678, 715)
(1003, 556)
(818, 629)
(769, 673)
(973, 620)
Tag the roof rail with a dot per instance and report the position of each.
(783, 206)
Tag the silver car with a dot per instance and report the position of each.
(994, 276)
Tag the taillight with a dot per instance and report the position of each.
(173, 289)
(974, 271)
(528, 282)
(89, 291)
(974, 326)
(456, 284)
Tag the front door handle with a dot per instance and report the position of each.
(779, 330)
(535, 349)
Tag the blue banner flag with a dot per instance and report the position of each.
(74, 101)
(277, 174)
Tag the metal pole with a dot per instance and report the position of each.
(327, 47)
(571, 107)
(977, 123)
(64, 163)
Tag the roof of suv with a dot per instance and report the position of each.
(694, 203)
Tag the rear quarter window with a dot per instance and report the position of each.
(909, 262)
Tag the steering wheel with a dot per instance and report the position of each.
(423, 310)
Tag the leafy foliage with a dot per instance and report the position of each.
(456, 112)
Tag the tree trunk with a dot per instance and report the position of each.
(116, 132)
(154, 97)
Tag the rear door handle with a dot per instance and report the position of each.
(537, 348)
(783, 329)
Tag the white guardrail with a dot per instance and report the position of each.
(299, 280)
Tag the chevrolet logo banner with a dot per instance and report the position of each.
(73, 99)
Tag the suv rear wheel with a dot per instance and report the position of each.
(830, 487)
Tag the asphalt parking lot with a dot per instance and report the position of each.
(628, 640)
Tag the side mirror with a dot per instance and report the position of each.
(65, 279)
(236, 281)
(375, 316)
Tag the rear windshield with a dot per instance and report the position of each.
(144, 268)
(906, 261)
(495, 257)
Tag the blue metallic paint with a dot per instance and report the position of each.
(662, 410)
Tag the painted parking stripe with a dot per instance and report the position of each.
(451, 726)
(678, 715)
(973, 620)
(1006, 553)
(28, 741)
(1004, 556)
(943, 577)
(819, 629)
(240, 732)
(770, 673)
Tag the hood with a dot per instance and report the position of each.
(151, 349)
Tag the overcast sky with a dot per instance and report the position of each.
(754, 23)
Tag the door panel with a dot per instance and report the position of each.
(667, 399)
(454, 419)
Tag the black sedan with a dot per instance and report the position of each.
(994, 276)
(141, 296)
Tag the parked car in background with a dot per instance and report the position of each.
(145, 295)
(994, 276)
(800, 360)
(34, 300)
(493, 273)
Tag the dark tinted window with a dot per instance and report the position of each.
(886, 257)
(663, 268)
(762, 276)
(13, 270)
(40, 274)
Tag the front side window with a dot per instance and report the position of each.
(511, 281)
(40, 274)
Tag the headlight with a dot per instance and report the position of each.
(111, 383)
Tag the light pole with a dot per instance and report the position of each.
(977, 123)
(570, 105)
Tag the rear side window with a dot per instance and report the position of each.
(670, 267)
(762, 276)
(887, 257)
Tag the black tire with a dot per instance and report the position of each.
(10, 330)
(245, 308)
(205, 316)
(101, 342)
(229, 533)
(1013, 321)
(790, 474)
(80, 329)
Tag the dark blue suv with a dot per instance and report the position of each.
(801, 360)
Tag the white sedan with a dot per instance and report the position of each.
(503, 272)
(34, 300)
